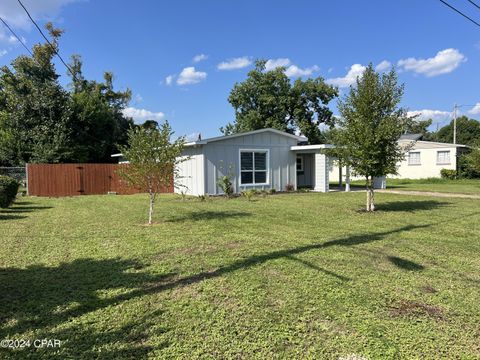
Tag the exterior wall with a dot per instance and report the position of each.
(223, 157)
(192, 175)
(305, 178)
(428, 167)
(321, 165)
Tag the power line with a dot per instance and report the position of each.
(48, 41)
(474, 4)
(459, 12)
(16, 36)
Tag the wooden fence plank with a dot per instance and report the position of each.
(77, 179)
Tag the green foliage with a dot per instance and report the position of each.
(267, 99)
(40, 121)
(153, 160)
(225, 183)
(470, 162)
(448, 174)
(370, 125)
(249, 194)
(272, 191)
(420, 127)
(8, 191)
(468, 132)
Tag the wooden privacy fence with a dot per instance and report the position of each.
(77, 179)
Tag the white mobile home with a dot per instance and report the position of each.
(261, 159)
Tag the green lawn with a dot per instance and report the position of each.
(286, 276)
(463, 186)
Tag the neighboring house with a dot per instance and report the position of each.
(424, 160)
(261, 159)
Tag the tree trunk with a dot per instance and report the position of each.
(370, 195)
(150, 211)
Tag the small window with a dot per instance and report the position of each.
(253, 167)
(443, 157)
(299, 163)
(414, 158)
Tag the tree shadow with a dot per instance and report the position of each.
(20, 207)
(405, 264)
(208, 215)
(40, 297)
(411, 206)
(11, 217)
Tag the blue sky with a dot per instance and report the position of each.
(151, 48)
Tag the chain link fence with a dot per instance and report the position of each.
(19, 173)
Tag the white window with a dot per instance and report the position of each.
(414, 158)
(299, 163)
(443, 157)
(254, 167)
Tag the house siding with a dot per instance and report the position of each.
(222, 157)
(192, 177)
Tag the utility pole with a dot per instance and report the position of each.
(455, 123)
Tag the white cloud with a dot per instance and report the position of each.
(475, 110)
(350, 78)
(3, 52)
(295, 71)
(236, 63)
(169, 79)
(199, 57)
(437, 116)
(291, 70)
(443, 62)
(274, 63)
(383, 66)
(190, 76)
(13, 13)
(141, 115)
(138, 98)
(6, 38)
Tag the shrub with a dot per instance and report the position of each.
(8, 191)
(289, 187)
(226, 185)
(272, 191)
(249, 194)
(448, 174)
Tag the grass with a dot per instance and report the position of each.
(285, 276)
(461, 186)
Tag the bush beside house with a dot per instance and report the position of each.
(8, 191)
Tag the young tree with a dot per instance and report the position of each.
(267, 99)
(153, 160)
(371, 123)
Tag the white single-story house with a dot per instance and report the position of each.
(425, 159)
(261, 159)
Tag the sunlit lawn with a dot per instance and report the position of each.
(285, 276)
(461, 186)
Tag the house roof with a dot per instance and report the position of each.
(226, 137)
(411, 137)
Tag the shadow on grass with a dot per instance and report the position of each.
(18, 208)
(39, 298)
(410, 206)
(208, 215)
(405, 264)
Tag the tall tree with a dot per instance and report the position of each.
(35, 110)
(419, 127)
(153, 160)
(97, 119)
(468, 131)
(267, 99)
(370, 125)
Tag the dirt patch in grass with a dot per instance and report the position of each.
(427, 289)
(411, 308)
